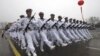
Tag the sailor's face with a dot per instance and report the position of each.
(41, 15)
(60, 18)
(66, 19)
(70, 20)
(29, 13)
(52, 17)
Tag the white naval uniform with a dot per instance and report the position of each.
(74, 34)
(43, 35)
(87, 31)
(22, 39)
(61, 33)
(34, 31)
(67, 31)
(12, 30)
(82, 33)
(30, 47)
(54, 33)
(78, 34)
(20, 34)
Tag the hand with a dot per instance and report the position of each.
(32, 17)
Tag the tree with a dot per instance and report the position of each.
(94, 20)
(97, 25)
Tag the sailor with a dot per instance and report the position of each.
(85, 30)
(22, 16)
(60, 30)
(34, 31)
(20, 33)
(53, 31)
(30, 49)
(68, 28)
(5, 32)
(12, 31)
(73, 31)
(43, 32)
(88, 26)
(82, 33)
(77, 32)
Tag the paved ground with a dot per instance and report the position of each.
(93, 48)
(5, 50)
(94, 45)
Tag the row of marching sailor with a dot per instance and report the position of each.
(29, 32)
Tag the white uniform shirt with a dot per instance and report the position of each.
(33, 24)
(51, 23)
(23, 22)
(41, 22)
(59, 23)
(14, 26)
(66, 24)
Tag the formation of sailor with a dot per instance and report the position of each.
(30, 33)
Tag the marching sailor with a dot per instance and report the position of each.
(54, 33)
(69, 29)
(77, 32)
(13, 31)
(85, 30)
(30, 49)
(20, 33)
(60, 30)
(73, 31)
(5, 32)
(34, 31)
(88, 25)
(85, 37)
(66, 29)
(42, 23)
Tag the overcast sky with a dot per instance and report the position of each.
(11, 9)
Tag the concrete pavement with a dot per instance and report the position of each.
(5, 49)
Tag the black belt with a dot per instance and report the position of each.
(44, 28)
(34, 28)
